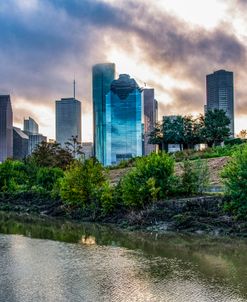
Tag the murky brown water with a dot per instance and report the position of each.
(89, 262)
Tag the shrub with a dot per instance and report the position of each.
(47, 177)
(195, 177)
(85, 185)
(148, 181)
(13, 176)
(235, 179)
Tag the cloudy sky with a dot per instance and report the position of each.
(169, 44)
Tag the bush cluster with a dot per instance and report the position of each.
(235, 179)
(85, 184)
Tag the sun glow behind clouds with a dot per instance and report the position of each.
(146, 75)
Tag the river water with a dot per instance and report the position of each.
(47, 261)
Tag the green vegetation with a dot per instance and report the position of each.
(235, 179)
(55, 174)
(194, 179)
(148, 181)
(85, 185)
(186, 131)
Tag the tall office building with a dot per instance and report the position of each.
(102, 77)
(6, 128)
(20, 143)
(30, 126)
(68, 120)
(150, 118)
(220, 93)
(124, 121)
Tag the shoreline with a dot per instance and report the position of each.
(194, 215)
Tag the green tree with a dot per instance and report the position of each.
(85, 184)
(235, 179)
(47, 177)
(13, 176)
(156, 136)
(173, 130)
(148, 181)
(51, 155)
(215, 127)
(191, 132)
(74, 147)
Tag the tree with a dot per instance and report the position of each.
(215, 127)
(191, 132)
(173, 130)
(13, 176)
(156, 136)
(51, 155)
(85, 185)
(74, 147)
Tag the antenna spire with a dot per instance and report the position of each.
(74, 86)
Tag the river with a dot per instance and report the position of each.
(43, 260)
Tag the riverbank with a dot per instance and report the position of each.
(200, 215)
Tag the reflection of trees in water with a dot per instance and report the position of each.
(221, 261)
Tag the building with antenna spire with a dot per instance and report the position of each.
(68, 118)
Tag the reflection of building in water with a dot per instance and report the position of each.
(88, 240)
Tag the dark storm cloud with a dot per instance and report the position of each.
(42, 47)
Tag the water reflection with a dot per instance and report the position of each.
(113, 265)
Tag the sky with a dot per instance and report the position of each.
(168, 44)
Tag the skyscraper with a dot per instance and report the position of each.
(220, 94)
(150, 118)
(30, 126)
(6, 128)
(102, 76)
(124, 121)
(68, 120)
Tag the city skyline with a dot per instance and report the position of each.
(171, 49)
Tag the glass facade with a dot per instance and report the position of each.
(150, 118)
(102, 77)
(220, 93)
(30, 126)
(124, 121)
(68, 120)
(6, 128)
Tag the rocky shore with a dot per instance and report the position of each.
(201, 215)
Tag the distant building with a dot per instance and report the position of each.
(124, 121)
(150, 118)
(20, 143)
(220, 93)
(6, 128)
(68, 120)
(87, 149)
(34, 140)
(102, 77)
(30, 126)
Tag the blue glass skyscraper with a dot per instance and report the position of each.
(124, 121)
(103, 75)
